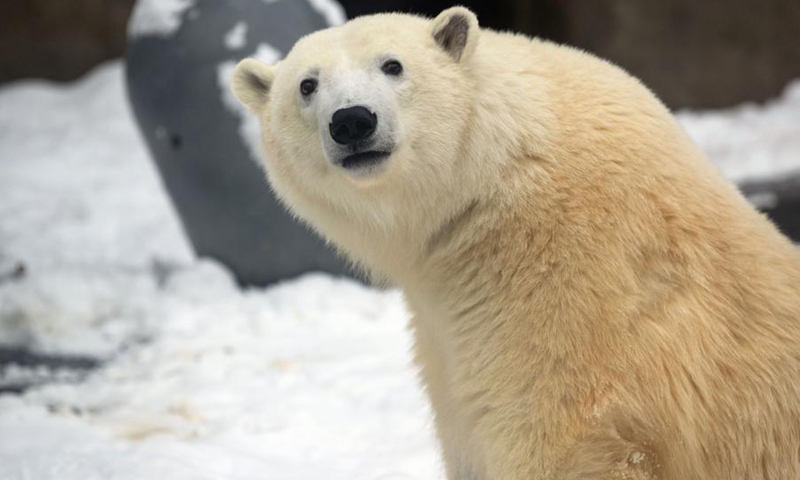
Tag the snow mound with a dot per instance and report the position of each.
(83, 217)
(308, 379)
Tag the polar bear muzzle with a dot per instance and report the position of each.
(352, 125)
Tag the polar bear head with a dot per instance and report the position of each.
(364, 125)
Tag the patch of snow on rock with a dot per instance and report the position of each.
(157, 17)
(236, 38)
(267, 54)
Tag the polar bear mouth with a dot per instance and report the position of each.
(362, 160)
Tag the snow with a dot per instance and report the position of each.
(81, 207)
(267, 54)
(163, 18)
(236, 38)
(241, 384)
(308, 379)
(157, 17)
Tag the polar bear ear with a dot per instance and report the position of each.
(456, 31)
(252, 81)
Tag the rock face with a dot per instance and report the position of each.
(180, 59)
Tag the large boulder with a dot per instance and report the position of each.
(181, 54)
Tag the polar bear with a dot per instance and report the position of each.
(590, 298)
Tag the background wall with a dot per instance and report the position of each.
(59, 39)
(700, 53)
(708, 53)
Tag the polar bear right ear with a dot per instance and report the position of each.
(252, 81)
(456, 31)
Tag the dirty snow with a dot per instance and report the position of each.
(309, 379)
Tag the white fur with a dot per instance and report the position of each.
(349, 86)
(591, 299)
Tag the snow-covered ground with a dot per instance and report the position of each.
(305, 380)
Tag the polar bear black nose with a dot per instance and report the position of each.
(350, 125)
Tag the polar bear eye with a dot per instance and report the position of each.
(392, 67)
(308, 86)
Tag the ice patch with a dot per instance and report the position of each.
(157, 17)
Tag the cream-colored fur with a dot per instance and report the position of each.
(591, 299)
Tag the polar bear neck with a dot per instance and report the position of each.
(581, 245)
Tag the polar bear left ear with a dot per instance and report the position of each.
(252, 81)
(456, 31)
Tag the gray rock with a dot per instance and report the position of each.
(177, 69)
